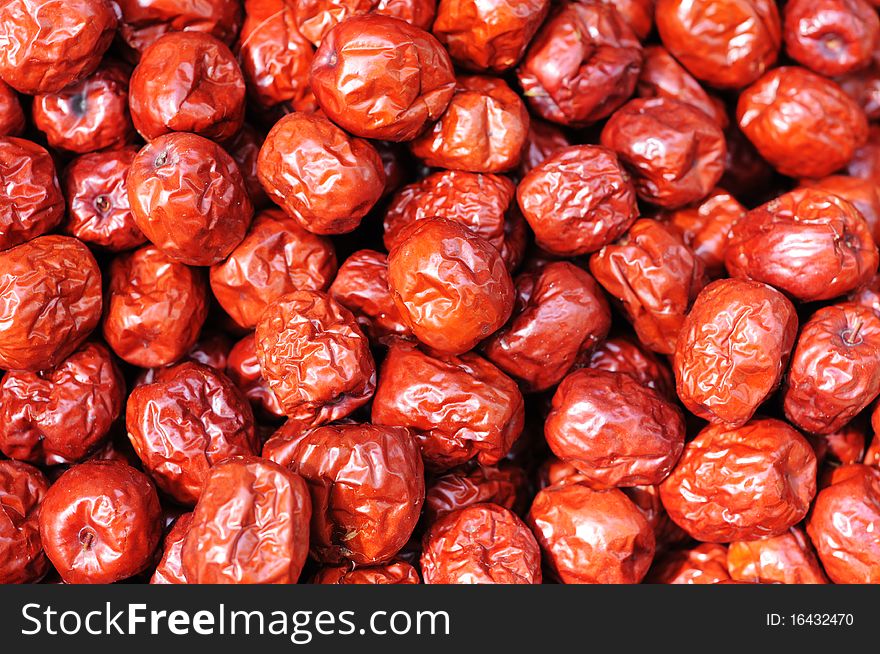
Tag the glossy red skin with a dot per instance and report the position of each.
(314, 357)
(243, 368)
(275, 58)
(187, 82)
(663, 77)
(450, 286)
(845, 446)
(543, 139)
(835, 368)
(784, 559)
(555, 471)
(863, 86)
(155, 308)
(872, 454)
(251, 526)
(844, 525)
(361, 286)
(188, 420)
(60, 415)
(282, 443)
(483, 203)
(99, 213)
(322, 177)
(614, 430)
(733, 349)
(504, 484)
(461, 408)
(705, 227)
(483, 129)
(865, 162)
(638, 14)
(808, 243)
(392, 103)
(397, 572)
(831, 37)
(12, 121)
(315, 18)
(244, 148)
(741, 483)
(170, 568)
(725, 43)
(704, 564)
(862, 194)
(480, 544)
(142, 22)
(559, 317)
(188, 197)
(22, 489)
(50, 301)
(802, 123)
(31, 203)
(582, 65)
(674, 152)
(869, 295)
(841, 473)
(625, 354)
(592, 537)
(89, 115)
(100, 523)
(578, 200)
(488, 35)
(367, 484)
(831, 474)
(46, 45)
(212, 349)
(655, 276)
(276, 257)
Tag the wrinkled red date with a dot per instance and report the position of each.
(50, 301)
(435, 396)
(22, 489)
(31, 203)
(155, 308)
(480, 544)
(844, 525)
(367, 485)
(251, 526)
(733, 349)
(88, 520)
(560, 315)
(741, 483)
(188, 420)
(61, 415)
(655, 276)
(314, 357)
(394, 103)
(592, 537)
(276, 257)
(835, 368)
(450, 286)
(188, 197)
(614, 430)
(674, 151)
(810, 243)
(321, 176)
(577, 200)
